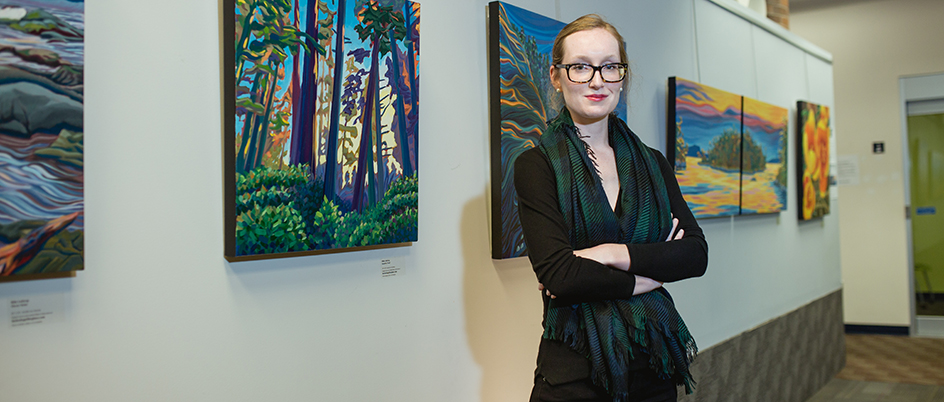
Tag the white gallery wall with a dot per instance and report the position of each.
(875, 43)
(159, 315)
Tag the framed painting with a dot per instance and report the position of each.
(763, 158)
(42, 225)
(321, 126)
(730, 150)
(812, 159)
(705, 126)
(521, 102)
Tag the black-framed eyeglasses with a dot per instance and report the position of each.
(580, 73)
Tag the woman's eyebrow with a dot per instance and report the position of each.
(586, 59)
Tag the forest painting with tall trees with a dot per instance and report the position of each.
(521, 102)
(321, 141)
(42, 202)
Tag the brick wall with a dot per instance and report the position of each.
(779, 11)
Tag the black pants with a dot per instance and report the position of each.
(646, 386)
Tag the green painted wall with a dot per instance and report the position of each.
(926, 137)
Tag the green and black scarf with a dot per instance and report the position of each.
(605, 331)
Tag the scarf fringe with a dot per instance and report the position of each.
(671, 352)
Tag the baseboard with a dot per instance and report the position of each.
(876, 330)
(787, 359)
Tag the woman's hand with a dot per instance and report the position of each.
(541, 288)
(672, 234)
(610, 254)
(645, 285)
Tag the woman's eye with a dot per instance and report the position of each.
(610, 67)
(580, 67)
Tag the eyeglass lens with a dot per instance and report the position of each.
(580, 73)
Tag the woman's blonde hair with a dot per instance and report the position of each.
(586, 23)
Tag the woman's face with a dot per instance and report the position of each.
(592, 101)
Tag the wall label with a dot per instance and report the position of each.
(35, 310)
(392, 266)
(847, 167)
(878, 147)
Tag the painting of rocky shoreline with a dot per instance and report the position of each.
(42, 221)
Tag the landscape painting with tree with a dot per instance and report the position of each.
(705, 126)
(521, 102)
(730, 150)
(42, 178)
(764, 158)
(322, 138)
(813, 159)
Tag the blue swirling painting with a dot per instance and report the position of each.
(41, 137)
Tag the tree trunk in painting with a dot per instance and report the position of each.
(363, 153)
(398, 105)
(296, 97)
(373, 188)
(261, 125)
(243, 45)
(304, 111)
(247, 132)
(266, 118)
(378, 182)
(414, 83)
(331, 154)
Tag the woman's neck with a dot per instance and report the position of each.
(595, 134)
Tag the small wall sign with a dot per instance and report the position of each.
(878, 147)
(926, 211)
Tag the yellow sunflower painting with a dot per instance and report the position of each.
(813, 155)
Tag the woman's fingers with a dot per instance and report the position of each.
(541, 288)
(672, 232)
(680, 233)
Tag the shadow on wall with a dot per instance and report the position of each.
(502, 311)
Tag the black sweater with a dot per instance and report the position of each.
(573, 279)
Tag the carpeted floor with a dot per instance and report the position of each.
(898, 359)
(889, 369)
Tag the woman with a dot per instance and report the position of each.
(605, 225)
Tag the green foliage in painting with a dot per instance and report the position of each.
(283, 211)
(266, 177)
(271, 229)
(267, 220)
(392, 220)
(753, 160)
(782, 172)
(681, 148)
(725, 151)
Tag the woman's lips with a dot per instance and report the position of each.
(596, 98)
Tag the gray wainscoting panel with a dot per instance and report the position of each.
(786, 359)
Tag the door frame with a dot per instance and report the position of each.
(912, 88)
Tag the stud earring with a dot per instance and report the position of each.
(558, 89)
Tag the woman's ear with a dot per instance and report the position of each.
(555, 80)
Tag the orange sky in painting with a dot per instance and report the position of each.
(720, 100)
(765, 111)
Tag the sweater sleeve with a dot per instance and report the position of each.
(677, 259)
(567, 276)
